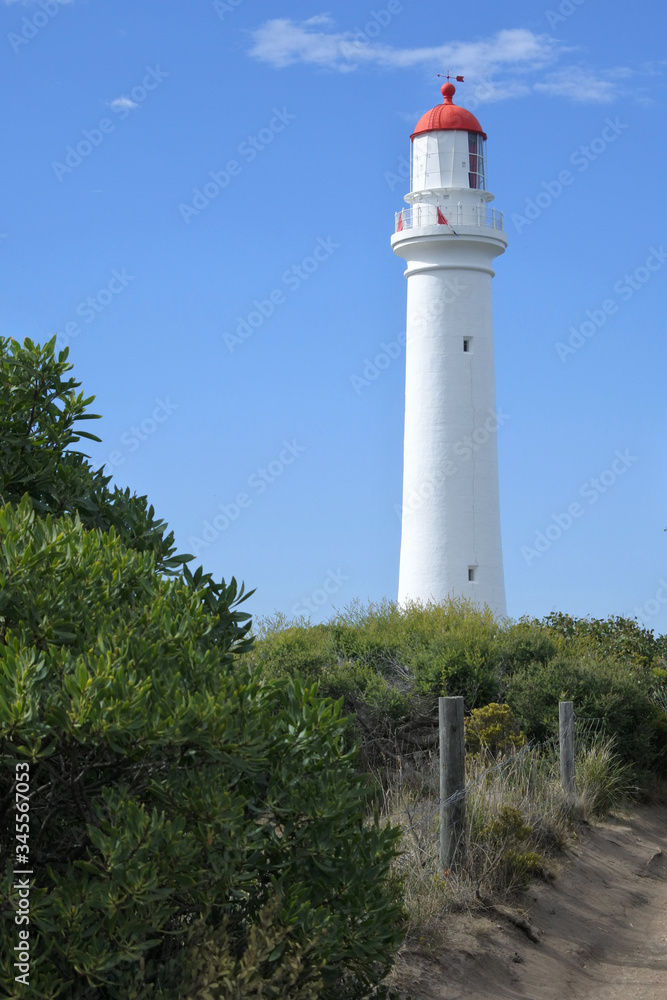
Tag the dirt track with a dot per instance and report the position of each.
(601, 929)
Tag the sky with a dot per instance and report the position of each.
(198, 198)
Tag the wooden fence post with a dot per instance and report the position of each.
(452, 779)
(566, 733)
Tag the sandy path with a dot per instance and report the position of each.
(601, 929)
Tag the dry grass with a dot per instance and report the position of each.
(516, 823)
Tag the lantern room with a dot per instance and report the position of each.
(448, 150)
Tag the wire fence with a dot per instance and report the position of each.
(421, 821)
(531, 763)
(584, 731)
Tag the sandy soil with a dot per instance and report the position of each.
(600, 929)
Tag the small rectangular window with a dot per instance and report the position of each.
(472, 574)
(466, 345)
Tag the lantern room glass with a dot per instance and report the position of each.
(476, 172)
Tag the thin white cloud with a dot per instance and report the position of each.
(120, 103)
(497, 90)
(582, 86)
(320, 19)
(503, 62)
(282, 42)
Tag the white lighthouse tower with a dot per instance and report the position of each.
(449, 237)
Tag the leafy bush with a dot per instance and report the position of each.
(170, 790)
(601, 688)
(359, 683)
(176, 791)
(270, 966)
(294, 650)
(527, 642)
(508, 825)
(509, 864)
(492, 728)
(623, 638)
(464, 663)
(357, 643)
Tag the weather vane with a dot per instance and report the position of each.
(459, 79)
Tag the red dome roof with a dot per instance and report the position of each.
(447, 116)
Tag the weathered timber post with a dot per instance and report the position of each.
(452, 779)
(566, 732)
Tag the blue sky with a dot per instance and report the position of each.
(198, 198)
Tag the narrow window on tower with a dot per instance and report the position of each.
(472, 574)
(466, 345)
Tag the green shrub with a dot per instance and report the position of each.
(508, 826)
(358, 643)
(170, 789)
(601, 688)
(388, 627)
(296, 650)
(272, 965)
(622, 638)
(185, 810)
(507, 863)
(359, 683)
(381, 634)
(463, 663)
(391, 661)
(526, 642)
(522, 867)
(492, 728)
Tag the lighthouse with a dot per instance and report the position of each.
(449, 237)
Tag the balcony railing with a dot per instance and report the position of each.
(449, 217)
